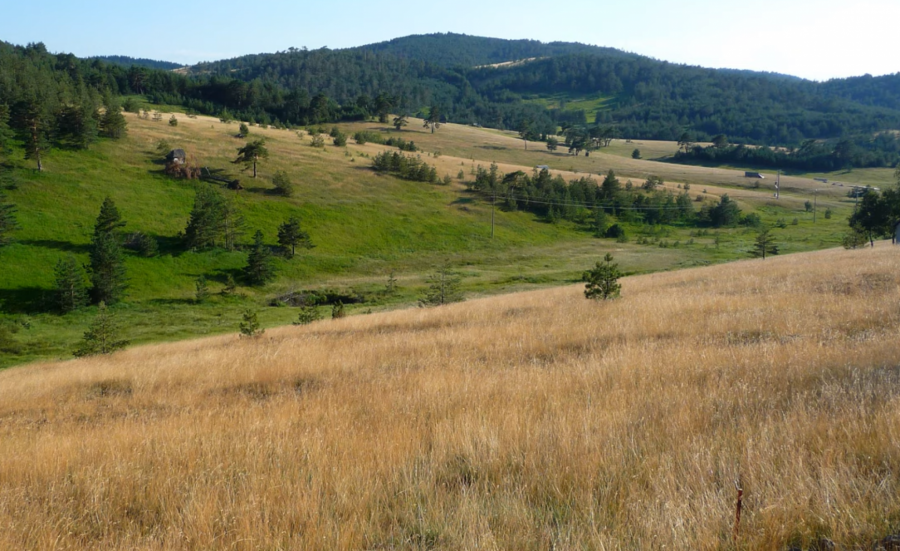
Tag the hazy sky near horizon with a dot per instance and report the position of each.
(816, 39)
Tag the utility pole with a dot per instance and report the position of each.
(777, 184)
(493, 198)
(815, 205)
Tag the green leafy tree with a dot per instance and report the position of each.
(252, 153)
(685, 142)
(383, 106)
(443, 288)
(720, 141)
(243, 130)
(230, 286)
(8, 222)
(102, 337)
(249, 326)
(602, 282)
(70, 291)
(291, 236)
(283, 184)
(524, 130)
(433, 120)
(872, 217)
(808, 206)
(636, 154)
(400, 121)
(260, 268)
(764, 245)
(726, 213)
(173, 121)
(601, 222)
(552, 143)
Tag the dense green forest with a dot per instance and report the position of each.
(647, 98)
(139, 61)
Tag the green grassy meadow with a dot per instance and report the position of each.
(363, 225)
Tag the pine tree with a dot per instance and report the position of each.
(764, 245)
(443, 288)
(69, 289)
(230, 286)
(102, 337)
(207, 219)
(290, 235)
(260, 268)
(76, 126)
(433, 120)
(337, 311)
(108, 275)
(249, 326)
(109, 219)
(112, 123)
(602, 280)
(308, 314)
(33, 125)
(251, 153)
(6, 133)
(8, 222)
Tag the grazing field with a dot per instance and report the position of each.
(537, 420)
(364, 227)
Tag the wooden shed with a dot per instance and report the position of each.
(176, 156)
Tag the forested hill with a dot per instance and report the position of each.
(126, 61)
(563, 85)
(460, 50)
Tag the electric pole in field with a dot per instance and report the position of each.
(815, 205)
(493, 198)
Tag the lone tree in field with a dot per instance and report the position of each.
(243, 130)
(252, 153)
(524, 130)
(102, 337)
(202, 289)
(400, 122)
(291, 236)
(260, 269)
(764, 245)
(433, 120)
(249, 326)
(8, 222)
(685, 142)
(308, 314)
(552, 143)
(70, 291)
(443, 288)
(603, 280)
(107, 265)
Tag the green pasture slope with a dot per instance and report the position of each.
(364, 226)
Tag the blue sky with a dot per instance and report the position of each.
(818, 39)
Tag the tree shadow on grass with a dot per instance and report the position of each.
(25, 300)
(64, 246)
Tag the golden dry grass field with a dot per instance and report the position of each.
(538, 420)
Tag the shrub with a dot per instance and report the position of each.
(602, 282)
(318, 141)
(283, 184)
(173, 121)
(142, 244)
(340, 140)
(308, 314)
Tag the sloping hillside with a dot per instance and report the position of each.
(525, 421)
